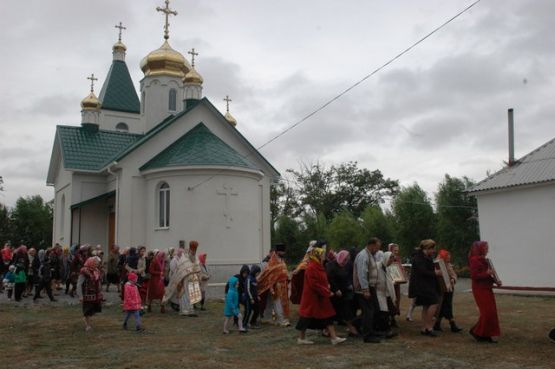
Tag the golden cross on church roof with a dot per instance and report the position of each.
(121, 27)
(227, 100)
(167, 11)
(193, 54)
(92, 78)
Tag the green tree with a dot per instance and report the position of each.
(32, 222)
(329, 191)
(376, 223)
(344, 231)
(5, 225)
(456, 226)
(287, 231)
(414, 217)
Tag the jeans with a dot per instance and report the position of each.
(136, 314)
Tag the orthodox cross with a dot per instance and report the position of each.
(193, 54)
(121, 27)
(167, 11)
(227, 100)
(92, 78)
(227, 192)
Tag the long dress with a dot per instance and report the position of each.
(155, 288)
(182, 270)
(482, 284)
(316, 309)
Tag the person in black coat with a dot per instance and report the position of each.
(45, 277)
(424, 286)
(341, 284)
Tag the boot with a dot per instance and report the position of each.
(437, 326)
(454, 327)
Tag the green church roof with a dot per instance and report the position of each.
(199, 146)
(84, 149)
(118, 92)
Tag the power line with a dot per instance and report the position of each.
(353, 86)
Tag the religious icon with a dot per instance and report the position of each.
(397, 273)
(444, 280)
(195, 294)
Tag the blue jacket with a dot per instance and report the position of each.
(232, 298)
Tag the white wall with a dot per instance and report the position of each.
(109, 119)
(155, 97)
(62, 189)
(519, 225)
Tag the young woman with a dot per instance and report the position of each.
(487, 328)
(425, 286)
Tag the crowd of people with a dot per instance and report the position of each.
(351, 288)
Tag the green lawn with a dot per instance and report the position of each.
(52, 336)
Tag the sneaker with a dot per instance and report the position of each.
(285, 323)
(301, 341)
(338, 340)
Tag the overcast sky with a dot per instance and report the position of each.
(440, 109)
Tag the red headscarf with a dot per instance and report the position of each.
(342, 257)
(161, 259)
(202, 259)
(443, 254)
(90, 268)
(478, 249)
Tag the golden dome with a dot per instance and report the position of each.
(90, 102)
(230, 119)
(193, 77)
(165, 61)
(119, 46)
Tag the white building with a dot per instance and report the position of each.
(516, 209)
(165, 169)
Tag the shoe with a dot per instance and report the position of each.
(409, 319)
(304, 341)
(454, 327)
(372, 339)
(285, 323)
(491, 340)
(476, 337)
(243, 331)
(225, 332)
(429, 333)
(337, 340)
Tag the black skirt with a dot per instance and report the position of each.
(91, 308)
(426, 300)
(312, 323)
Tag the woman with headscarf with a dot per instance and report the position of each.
(424, 285)
(316, 310)
(155, 286)
(446, 306)
(487, 328)
(297, 277)
(341, 284)
(76, 264)
(385, 291)
(89, 290)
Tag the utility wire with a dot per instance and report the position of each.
(353, 86)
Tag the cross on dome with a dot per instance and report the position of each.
(193, 54)
(227, 100)
(167, 12)
(121, 27)
(92, 78)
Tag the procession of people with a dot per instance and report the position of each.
(358, 290)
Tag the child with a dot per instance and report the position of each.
(132, 303)
(232, 305)
(252, 300)
(20, 281)
(9, 280)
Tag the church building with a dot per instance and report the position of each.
(160, 168)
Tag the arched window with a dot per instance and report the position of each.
(164, 205)
(122, 127)
(62, 214)
(172, 103)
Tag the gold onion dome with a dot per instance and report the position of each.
(165, 61)
(230, 119)
(193, 77)
(90, 102)
(119, 46)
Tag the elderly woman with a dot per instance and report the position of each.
(487, 328)
(316, 310)
(385, 291)
(341, 284)
(425, 286)
(155, 286)
(89, 287)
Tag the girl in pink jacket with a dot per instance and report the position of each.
(132, 303)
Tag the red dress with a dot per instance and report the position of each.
(315, 300)
(482, 284)
(155, 287)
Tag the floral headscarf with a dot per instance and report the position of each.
(342, 257)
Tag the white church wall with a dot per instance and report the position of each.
(519, 225)
(62, 202)
(87, 186)
(110, 119)
(155, 99)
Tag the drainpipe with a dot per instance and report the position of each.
(109, 169)
(511, 138)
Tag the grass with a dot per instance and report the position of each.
(52, 336)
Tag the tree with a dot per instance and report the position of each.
(287, 231)
(32, 222)
(5, 225)
(344, 231)
(329, 191)
(1, 184)
(456, 227)
(414, 217)
(377, 224)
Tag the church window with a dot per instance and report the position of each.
(172, 104)
(122, 127)
(164, 205)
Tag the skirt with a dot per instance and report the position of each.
(426, 300)
(313, 323)
(488, 323)
(91, 308)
